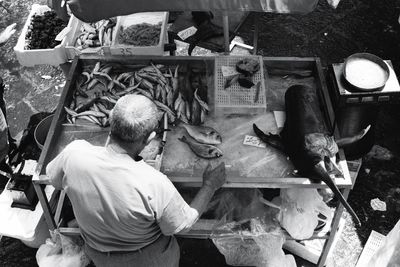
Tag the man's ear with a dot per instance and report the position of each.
(152, 135)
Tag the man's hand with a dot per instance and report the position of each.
(216, 177)
(6, 34)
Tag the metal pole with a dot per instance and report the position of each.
(225, 23)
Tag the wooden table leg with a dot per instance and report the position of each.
(334, 227)
(45, 206)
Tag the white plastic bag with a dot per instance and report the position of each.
(388, 255)
(248, 233)
(299, 210)
(61, 251)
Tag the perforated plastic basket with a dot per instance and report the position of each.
(374, 242)
(237, 99)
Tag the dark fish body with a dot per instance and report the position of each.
(306, 139)
(202, 150)
(305, 135)
(203, 134)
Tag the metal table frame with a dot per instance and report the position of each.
(53, 218)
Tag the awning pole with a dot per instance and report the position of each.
(225, 23)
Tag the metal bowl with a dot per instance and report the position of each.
(366, 72)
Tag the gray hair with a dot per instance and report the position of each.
(133, 118)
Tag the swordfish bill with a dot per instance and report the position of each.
(305, 138)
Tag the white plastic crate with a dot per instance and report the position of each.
(237, 99)
(52, 56)
(374, 242)
(137, 18)
(70, 49)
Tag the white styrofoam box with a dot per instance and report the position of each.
(138, 18)
(374, 242)
(75, 29)
(52, 56)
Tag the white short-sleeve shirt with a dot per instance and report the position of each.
(120, 204)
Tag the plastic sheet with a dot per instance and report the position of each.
(62, 251)
(248, 233)
(299, 210)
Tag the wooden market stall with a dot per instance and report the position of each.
(247, 167)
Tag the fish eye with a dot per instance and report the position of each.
(212, 132)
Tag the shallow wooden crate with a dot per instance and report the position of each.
(60, 133)
(75, 30)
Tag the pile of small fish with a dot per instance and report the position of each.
(95, 34)
(98, 89)
(202, 141)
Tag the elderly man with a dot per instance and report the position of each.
(127, 211)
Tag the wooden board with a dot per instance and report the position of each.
(241, 160)
(248, 166)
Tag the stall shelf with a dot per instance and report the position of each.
(279, 74)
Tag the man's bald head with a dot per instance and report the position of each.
(133, 118)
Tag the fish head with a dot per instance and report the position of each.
(214, 152)
(320, 145)
(214, 136)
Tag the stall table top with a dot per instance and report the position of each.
(246, 166)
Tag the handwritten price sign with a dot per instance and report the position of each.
(186, 33)
(253, 141)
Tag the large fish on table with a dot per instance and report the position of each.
(202, 150)
(306, 139)
(203, 134)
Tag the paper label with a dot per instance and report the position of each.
(250, 140)
(186, 33)
(228, 71)
(60, 36)
(280, 117)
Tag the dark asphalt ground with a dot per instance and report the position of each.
(355, 26)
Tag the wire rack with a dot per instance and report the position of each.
(237, 99)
